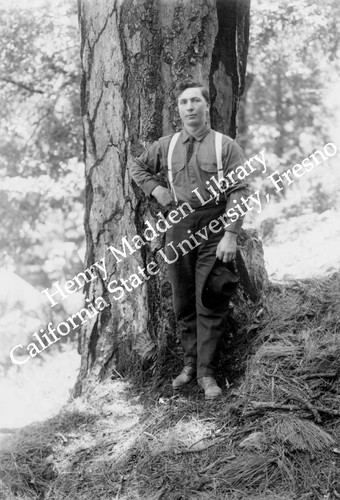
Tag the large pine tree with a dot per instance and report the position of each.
(133, 54)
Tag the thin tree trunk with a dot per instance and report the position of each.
(280, 140)
(133, 54)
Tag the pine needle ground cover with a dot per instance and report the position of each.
(274, 434)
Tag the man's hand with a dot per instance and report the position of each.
(162, 195)
(226, 249)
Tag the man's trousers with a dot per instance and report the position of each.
(200, 327)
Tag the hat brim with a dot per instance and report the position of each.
(219, 270)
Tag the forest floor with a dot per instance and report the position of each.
(273, 435)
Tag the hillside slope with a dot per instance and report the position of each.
(275, 433)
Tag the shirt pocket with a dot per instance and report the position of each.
(208, 171)
(209, 167)
(176, 167)
(179, 175)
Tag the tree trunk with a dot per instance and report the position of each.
(133, 54)
(243, 113)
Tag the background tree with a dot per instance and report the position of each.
(41, 172)
(133, 54)
(292, 105)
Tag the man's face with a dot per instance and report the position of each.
(193, 107)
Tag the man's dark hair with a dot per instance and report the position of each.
(189, 84)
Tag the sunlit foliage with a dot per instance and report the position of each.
(292, 102)
(41, 172)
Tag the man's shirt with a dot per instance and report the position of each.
(192, 179)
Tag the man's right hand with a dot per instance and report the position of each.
(162, 195)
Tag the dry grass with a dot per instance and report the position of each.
(296, 355)
(300, 435)
(27, 464)
(273, 435)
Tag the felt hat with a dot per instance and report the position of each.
(219, 284)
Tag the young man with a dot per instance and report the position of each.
(193, 180)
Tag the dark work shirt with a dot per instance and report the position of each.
(192, 179)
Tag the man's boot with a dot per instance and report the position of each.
(187, 375)
(211, 389)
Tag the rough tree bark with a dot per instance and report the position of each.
(133, 54)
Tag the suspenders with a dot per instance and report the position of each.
(218, 150)
(170, 176)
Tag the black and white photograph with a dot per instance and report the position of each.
(170, 250)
